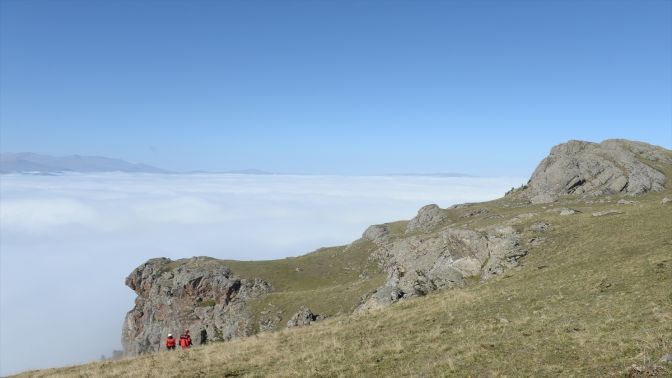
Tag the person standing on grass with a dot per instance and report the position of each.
(170, 342)
(185, 340)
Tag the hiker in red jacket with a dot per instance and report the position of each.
(170, 342)
(185, 340)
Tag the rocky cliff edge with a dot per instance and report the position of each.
(199, 294)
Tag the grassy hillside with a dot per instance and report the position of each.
(330, 281)
(593, 298)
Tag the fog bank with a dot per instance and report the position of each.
(67, 242)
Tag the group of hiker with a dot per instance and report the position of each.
(185, 340)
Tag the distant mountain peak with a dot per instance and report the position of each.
(24, 162)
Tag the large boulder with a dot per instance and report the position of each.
(199, 294)
(382, 297)
(303, 317)
(428, 217)
(585, 168)
(378, 233)
(417, 265)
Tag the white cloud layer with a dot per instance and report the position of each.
(67, 242)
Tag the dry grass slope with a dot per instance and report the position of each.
(594, 299)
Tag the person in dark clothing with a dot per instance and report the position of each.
(170, 342)
(204, 337)
(185, 340)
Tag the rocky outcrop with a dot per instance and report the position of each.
(377, 233)
(381, 298)
(199, 294)
(303, 317)
(585, 168)
(417, 265)
(428, 217)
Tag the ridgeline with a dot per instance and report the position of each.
(569, 275)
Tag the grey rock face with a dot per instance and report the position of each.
(428, 217)
(584, 168)
(417, 265)
(196, 294)
(382, 297)
(543, 198)
(377, 233)
(303, 318)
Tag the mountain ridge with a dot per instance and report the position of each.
(580, 286)
(31, 162)
(446, 252)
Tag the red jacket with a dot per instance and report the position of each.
(185, 341)
(170, 342)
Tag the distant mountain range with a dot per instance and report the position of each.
(237, 172)
(437, 174)
(29, 162)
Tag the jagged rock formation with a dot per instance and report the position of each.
(303, 318)
(428, 217)
(377, 233)
(196, 294)
(382, 297)
(417, 265)
(585, 168)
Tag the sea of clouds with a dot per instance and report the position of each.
(68, 241)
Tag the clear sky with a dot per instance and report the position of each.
(365, 87)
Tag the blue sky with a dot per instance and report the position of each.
(364, 87)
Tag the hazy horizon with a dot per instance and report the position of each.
(258, 170)
(7, 158)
